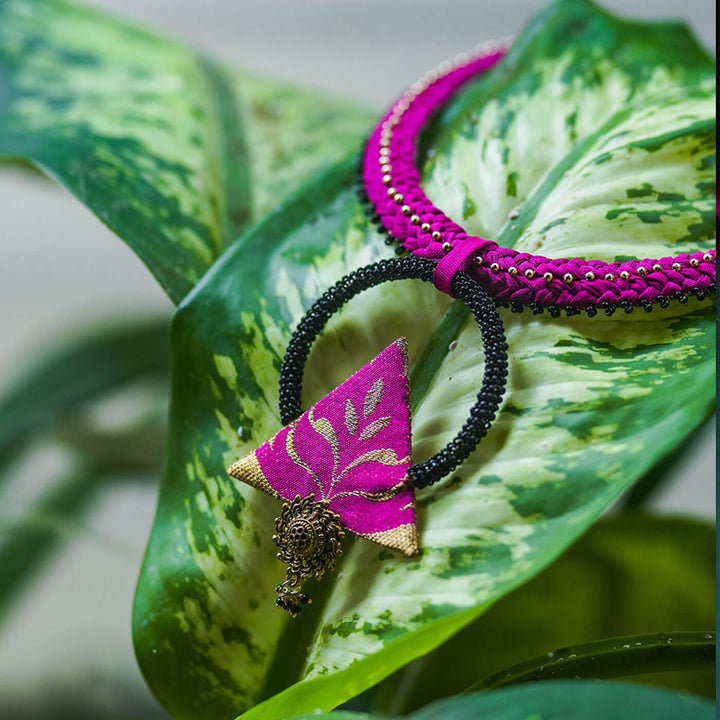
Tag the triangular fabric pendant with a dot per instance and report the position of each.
(350, 454)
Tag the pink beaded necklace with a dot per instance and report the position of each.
(392, 186)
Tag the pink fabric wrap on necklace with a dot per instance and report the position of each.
(394, 189)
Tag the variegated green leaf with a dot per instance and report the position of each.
(631, 574)
(590, 404)
(173, 153)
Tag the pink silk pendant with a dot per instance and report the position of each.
(343, 464)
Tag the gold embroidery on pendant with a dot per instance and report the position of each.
(403, 538)
(373, 397)
(249, 471)
(292, 453)
(379, 496)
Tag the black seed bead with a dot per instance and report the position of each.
(554, 311)
(663, 301)
(516, 307)
(647, 306)
(591, 311)
(682, 298)
(626, 306)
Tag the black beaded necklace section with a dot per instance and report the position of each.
(464, 288)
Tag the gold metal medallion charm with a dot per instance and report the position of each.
(308, 540)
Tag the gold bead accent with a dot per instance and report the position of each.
(495, 267)
(707, 257)
(676, 266)
(589, 275)
(399, 198)
(529, 274)
(384, 151)
(385, 167)
(512, 271)
(391, 191)
(609, 277)
(425, 227)
(447, 247)
(387, 179)
(478, 260)
(641, 271)
(568, 278)
(547, 277)
(415, 219)
(384, 142)
(406, 210)
(624, 274)
(436, 235)
(656, 267)
(693, 262)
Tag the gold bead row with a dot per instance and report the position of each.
(404, 104)
(569, 278)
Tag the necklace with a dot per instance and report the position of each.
(391, 186)
(345, 464)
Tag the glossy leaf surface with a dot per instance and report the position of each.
(569, 700)
(590, 404)
(627, 575)
(623, 656)
(174, 153)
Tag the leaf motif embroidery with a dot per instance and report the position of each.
(323, 426)
(351, 418)
(380, 496)
(382, 455)
(373, 397)
(374, 428)
(292, 453)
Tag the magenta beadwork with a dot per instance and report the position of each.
(392, 184)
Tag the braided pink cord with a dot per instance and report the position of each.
(392, 183)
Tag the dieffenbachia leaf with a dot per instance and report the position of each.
(631, 574)
(560, 700)
(174, 153)
(590, 404)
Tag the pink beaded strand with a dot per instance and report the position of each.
(392, 184)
